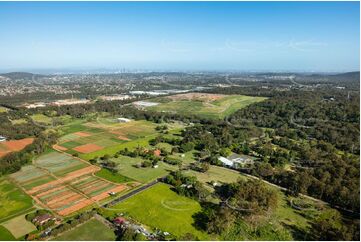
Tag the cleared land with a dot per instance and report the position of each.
(64, 184)
(203, 104)
(41, 118)
(163, 209)
(12, 200)
(3, 110)
(19, 226)
(7, 147)
(92, 230)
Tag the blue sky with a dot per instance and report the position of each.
(295, 36)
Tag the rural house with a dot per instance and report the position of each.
(42, 219)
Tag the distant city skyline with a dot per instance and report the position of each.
(214, 36)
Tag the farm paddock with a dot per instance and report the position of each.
(92, 230)
(7, 147)
(13, 200)
(19, 226)
(92, 137)
(64, 184)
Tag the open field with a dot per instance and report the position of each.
(203, 104)
(92, 230)
(41, 118)
(3, 110)
(108, 175)
(127, 167)
(19, 121)
(5, 234)
(163, 209)
(14, 145)
(19, 226)
(12, 200)
(64, 184)
(216, 174)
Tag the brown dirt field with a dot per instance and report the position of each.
(65, 201)
(55, 196)
(15, 145)
(89, 184)
(70, 176)
(82, 134)
(105, 194)
(88, 148)
(75, 207)
(50, 191)
(120, 134)
(58, 147)
(196, 96)
(68, 196)
(3, 153)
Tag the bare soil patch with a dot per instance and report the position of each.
(58, 147)
(83, 134)
(88, 148)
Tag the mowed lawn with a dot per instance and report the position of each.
(92, 230)
(160, 207)
(12, 200)
(206, 109)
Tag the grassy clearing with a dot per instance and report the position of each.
(207, 109)
(12, 199)
(127, 167)
(5, 234)
(113, 177)
(92, 230)
(216, 174)
(19, 121)
(163, 209)
(19, 226)
(41, 118)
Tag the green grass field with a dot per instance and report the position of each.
(19, 121)
(108, 175)
(207, 109)
(5, 234)
(126, 167)
(41, 118)
(19, 226)
(3, 110)
(92, 230)
(12, 200)
(163, 209)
